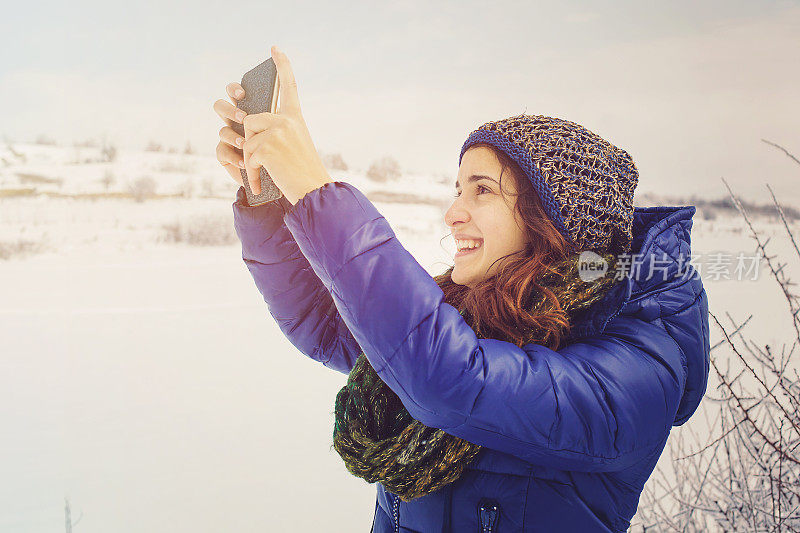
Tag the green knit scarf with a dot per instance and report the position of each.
(379, 440)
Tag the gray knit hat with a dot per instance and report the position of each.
(584, 182)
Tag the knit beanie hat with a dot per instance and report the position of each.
(584, 182)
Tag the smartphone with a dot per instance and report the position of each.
(261, 87)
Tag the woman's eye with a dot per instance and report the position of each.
(487, 189)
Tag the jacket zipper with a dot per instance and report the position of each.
(615, 313)
(396, 513)
(488, 515)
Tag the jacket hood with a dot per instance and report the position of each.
(659, 287)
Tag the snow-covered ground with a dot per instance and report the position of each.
(146, 381)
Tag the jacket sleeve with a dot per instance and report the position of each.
(597, 405)
(295, 296)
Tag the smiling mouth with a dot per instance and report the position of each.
(467, 251)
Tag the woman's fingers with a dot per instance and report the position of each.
(229, 112)
(228, 154)
(231, 158)
(235, 173)
(229, 135)
(235, 91)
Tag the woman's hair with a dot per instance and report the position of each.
(496, 306)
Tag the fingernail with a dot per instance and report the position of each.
(241, 164)
(239, 142)
(240, 115)
(239, 93)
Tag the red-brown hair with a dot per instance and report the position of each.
(495, 306)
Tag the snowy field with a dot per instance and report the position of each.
(144, 378)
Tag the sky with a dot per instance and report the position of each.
(689, 89)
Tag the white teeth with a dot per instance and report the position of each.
(467, 244)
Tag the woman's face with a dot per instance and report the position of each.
(482, 212)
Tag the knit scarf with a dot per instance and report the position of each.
(379, 440)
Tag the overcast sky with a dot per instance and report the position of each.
(689, 89)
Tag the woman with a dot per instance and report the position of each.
(520, 390)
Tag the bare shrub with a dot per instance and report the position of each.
(143, 188)
(108, 153)
(708, 213)
(18, 155)
(200, 231)
(108, 179)
(30, 178)
(334, 162)
(745, 476)
(153, 146)
(20, 247)
(385, 169)
(45, 140)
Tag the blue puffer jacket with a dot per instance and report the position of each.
(569, 436)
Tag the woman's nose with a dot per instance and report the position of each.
(455, 214)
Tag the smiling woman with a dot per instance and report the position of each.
(507, 393)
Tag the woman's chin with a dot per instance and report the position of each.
(458, 277)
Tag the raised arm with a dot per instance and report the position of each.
(598, 405)
(296, 298)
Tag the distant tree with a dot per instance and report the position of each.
(188, 149)
(153, 146)
(108, 179)
(385, 169)
(334, 162)
(108, 153)
(143, 188)
(45, 140)
(708, 213)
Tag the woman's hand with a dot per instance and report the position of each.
(229, 152)
(281, 143)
